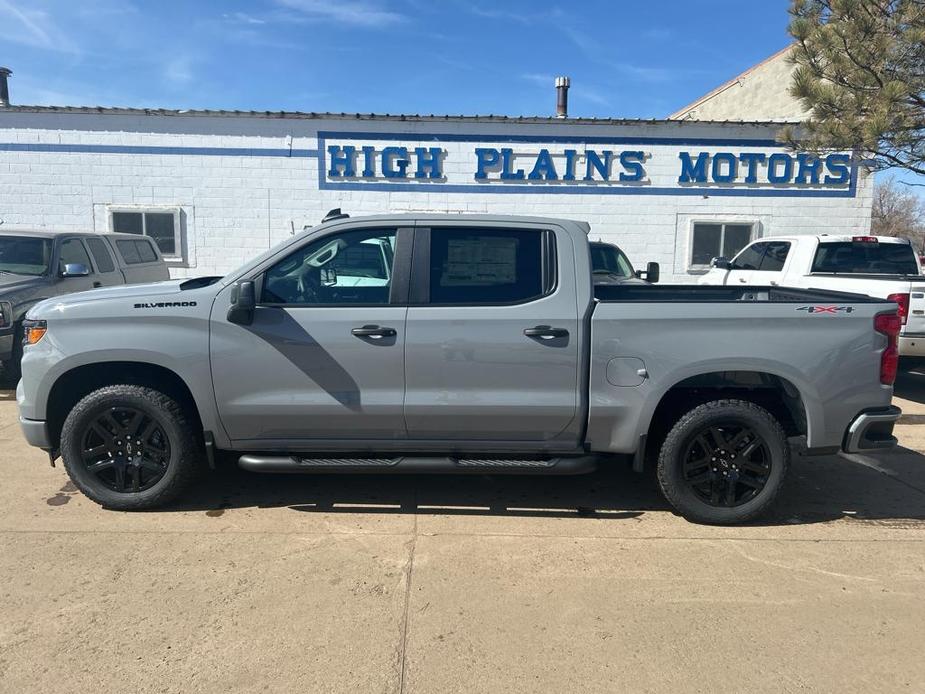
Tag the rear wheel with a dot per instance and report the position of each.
(723, 462)
(129, 447)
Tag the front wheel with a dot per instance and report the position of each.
(723, 462)
(130, 447)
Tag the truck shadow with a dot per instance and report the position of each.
(887, 489)
(910, 383)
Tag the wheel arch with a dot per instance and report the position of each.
(772, 391)
(73, 385)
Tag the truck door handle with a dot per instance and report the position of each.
(742, 279)
(97, 284)
(546, 332)
(374, 331)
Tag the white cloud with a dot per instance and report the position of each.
(31, 27)
(243, 18)
(178, 71)
(354, 12)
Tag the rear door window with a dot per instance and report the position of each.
(865, 258)
(101, 255)
(146, 252)
(129, 252)
(486, 266)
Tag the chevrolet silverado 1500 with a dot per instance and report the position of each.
(483, 348)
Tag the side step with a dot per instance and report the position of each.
(420, 464)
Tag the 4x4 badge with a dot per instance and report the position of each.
(826, 309)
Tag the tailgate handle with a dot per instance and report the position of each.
(374, 331)
(546, 332)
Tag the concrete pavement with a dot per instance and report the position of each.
(474, 584)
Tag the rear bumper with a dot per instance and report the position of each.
(912, 345)
(872, 431)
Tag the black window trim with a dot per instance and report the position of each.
(398, 289)
(420, 265)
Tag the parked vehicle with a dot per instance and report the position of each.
(880, 266)
(36, 265)
(609, 265)
(488, 351)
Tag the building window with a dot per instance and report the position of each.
(163, 226)
(714, 239)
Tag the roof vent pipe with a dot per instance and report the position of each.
(562, 85)
(4, 87)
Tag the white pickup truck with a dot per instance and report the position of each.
(880, 266)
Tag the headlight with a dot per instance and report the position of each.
(33, 331)
(6, 314)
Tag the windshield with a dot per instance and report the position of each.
(24, 255)
(607, 259)
(865, 258)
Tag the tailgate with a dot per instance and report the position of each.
(915, 322)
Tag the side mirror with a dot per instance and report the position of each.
(75, 270)
(650, 274)
(243, 303)
(722, 263)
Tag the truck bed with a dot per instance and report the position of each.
(647, 340)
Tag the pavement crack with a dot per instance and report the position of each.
(406, 616)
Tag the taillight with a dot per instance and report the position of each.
(901, 300)
(888, 324)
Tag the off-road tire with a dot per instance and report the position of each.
(186, 449)
(670, 461)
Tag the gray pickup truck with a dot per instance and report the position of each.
(453, 344)
(37, 265)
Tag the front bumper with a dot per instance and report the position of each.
(912, 345)
(872, 431)
(36, 433)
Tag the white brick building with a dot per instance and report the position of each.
(215, 188)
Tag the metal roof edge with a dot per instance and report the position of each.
(417, 118)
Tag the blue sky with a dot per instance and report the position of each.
(625, 58)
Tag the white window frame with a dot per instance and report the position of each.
(177, 257)
(753, 236)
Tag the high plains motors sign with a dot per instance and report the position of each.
(580, 165)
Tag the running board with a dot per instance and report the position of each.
(420, 464)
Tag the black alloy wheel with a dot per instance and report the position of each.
(125, 449)
(727, 464)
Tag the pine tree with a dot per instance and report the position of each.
(860, 72)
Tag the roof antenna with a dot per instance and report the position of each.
(334, 214)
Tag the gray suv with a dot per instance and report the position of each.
(37, 265)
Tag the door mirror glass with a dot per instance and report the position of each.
(75, 270)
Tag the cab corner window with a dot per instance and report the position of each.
(350, 268)
(485, 266)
